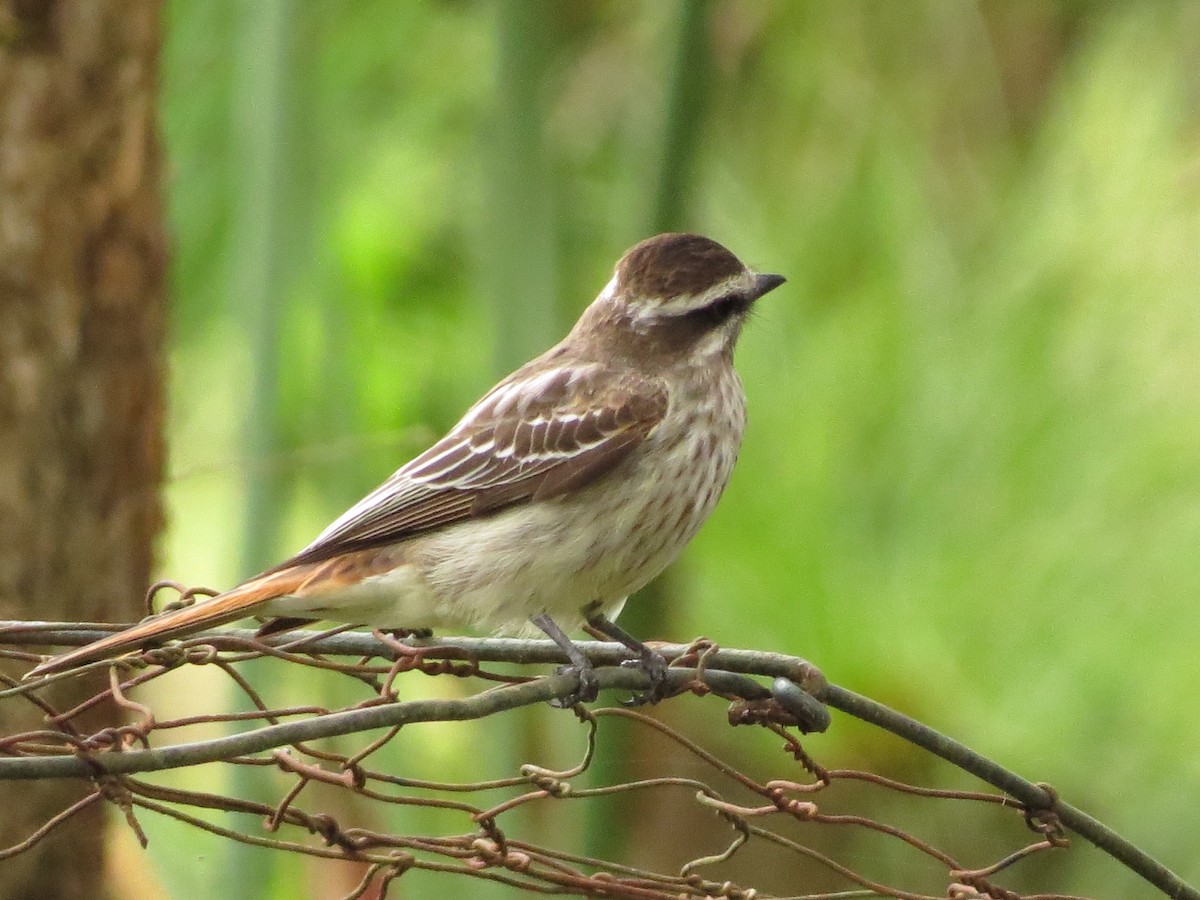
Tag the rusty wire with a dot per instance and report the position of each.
(282, 738)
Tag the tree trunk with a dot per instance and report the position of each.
(81, 365)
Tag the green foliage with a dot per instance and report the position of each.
(971, 486)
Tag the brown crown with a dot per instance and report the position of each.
(673, 265)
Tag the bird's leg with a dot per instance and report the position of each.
(580, 666)
(653, 663)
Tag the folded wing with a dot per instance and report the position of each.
(533, 437)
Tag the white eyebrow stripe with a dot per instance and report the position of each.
(681, 306)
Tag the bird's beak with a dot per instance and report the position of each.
(764, 284)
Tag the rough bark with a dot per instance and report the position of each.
(81, 365)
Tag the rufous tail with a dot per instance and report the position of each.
(237, 603)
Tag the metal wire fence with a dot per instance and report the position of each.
(782, 694)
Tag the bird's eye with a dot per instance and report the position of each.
(720, 310)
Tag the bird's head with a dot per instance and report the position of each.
(680, 293)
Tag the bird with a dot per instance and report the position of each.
(568, 486)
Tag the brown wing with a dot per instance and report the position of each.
(536, 435)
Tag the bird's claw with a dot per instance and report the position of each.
(654, 665)
(587, 689)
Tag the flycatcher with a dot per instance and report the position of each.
(568, 486)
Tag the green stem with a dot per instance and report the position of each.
(262, 121)
(519, 252)
(648, 613)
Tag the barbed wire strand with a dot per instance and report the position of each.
(796, 698)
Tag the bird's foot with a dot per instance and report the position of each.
(588, 686)
(654, 666)
(587, 689)
(649, 661)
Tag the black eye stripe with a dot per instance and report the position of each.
(720, 310)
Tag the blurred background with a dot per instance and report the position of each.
(970, 487)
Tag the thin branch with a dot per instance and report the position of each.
(344, 722)
(359, 643)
